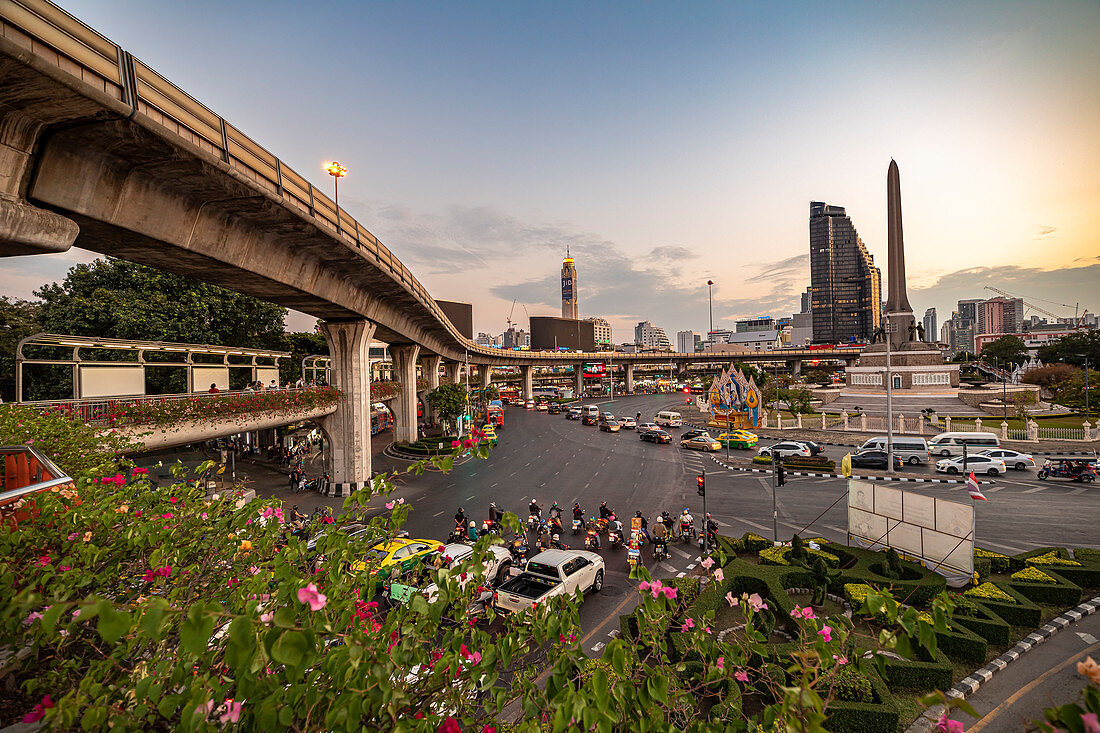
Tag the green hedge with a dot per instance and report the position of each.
(1087, 555)
(1021, 613)
(754, 543)
(961, 643)
(920, 674)
(807, 462)
(998, 563)
(1063, 593)
(1086, 575)
(918, 590)
(880, 716)
(983, 622)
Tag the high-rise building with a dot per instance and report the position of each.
(930, 325)
(1000, 315)
(651, 337)
(686, 341)
(806, 299)
(602, 331)
(747, 325)
(568, 287)
(846, 287)
(516, 338)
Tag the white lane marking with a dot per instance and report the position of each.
(666, 567)
(691, 566)
(992, 489)
(613, 634)
(494, 485)
(1078, 491)
(680, 552)
(598, 647)
(1035, 490)
(1087, 638)
(437, 514)
(470, 498)
(720, 523)
(680, 575)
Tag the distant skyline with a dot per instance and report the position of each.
(664, 144)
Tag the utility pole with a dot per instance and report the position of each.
(710, 303)
(701, 480)
(1087, 413)
(778, 479)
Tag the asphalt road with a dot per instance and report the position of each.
(554, 459)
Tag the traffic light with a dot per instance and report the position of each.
(780, 478)
(701, 484)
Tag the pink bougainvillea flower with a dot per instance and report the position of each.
(267, 617)
(389, 505)
(946, 725)
(174, 500)
(167, 515)
(670, 592)
(205, 709)
(139, 471)
(826, 633)
(64, 568)
(253, 570)
(643, 586)
(721, 662)
(31, 618)
(72, 536)
(488, 729)
(43, 561)
(455, 443)
(757, 603)
(204, 515)
(1092, 725)
(741, 675)
(450, 725)
(39, 711)
(312, 597)
(796, 613)
(707, 563)
(808, 612)
(688, 625)
(232, 713)
(731, 600)
(844, 660)
(719, 575)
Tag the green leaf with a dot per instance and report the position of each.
(285, 617)
(658, 688)
(112, 623)
(152, 617)
(196, 629)
(966, 707)
(241, 648)
(168, 704)
(290, 648)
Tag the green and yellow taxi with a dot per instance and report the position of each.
(489, 435)
(394, 558)
(742, 439)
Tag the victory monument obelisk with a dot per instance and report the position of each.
(919, 377)
(899, 313)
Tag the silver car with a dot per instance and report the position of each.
(1013, 459)
(974, 464)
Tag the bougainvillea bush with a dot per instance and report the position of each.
(219, 407)
(143, 608)
(73, 445)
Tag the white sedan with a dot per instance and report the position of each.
(784, 449)
(628, 423)
(1012, 459)
(974, 464)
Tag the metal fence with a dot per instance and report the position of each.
(1061, 433)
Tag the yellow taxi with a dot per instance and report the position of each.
(742, 439)
(395, 558)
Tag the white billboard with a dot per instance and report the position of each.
(203, 376)
(111, 381)
(938, 534)
(266, 374)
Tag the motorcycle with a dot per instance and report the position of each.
(592, 540)
(490, 527)
(601, 524)
(518, 548)
(614, 538)
(633, 557)
(711, 539)
(555, 525)
(660, 549)
(578, 525)
(456, 536)
(687, 529)
(533, 522)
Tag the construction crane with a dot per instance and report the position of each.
(509, 318)
(1076, 320)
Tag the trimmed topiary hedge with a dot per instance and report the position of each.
(982, 621)
(879, 716)
(813, 463)
(1061, 593)
(918, 589)
(1021, 612)
(997, 562)
(754, 542)
(920, 674)
(962, 643)
(1085, 574)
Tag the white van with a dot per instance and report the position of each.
(590, 411)
(951, 444)
(907, 448)
(669, 419)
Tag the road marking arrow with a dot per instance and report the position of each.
(1087, 638)
(598, 647)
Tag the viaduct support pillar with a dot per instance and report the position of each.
(796, 367)
(528, 384)
(348, 429)
(429, 369)
(628, 372)
(25, 229)
(485, 373)
(453, 371)
(404, 405)
(578, 381)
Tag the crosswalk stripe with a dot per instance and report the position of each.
(666, 567)
(1035, 490)
(680, 552)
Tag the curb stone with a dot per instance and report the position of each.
(966, 687)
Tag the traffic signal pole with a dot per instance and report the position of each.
(701, 483)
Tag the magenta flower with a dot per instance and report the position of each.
(688, 625)
(757, 602)
(707, 563)
(389, 505)
(741, 675)
(670, 592)
(267, 617)
(205, 709)
(174, 500)
(31, 618)
(168, 515)
(43, 561)
(946, 725)
(39, 711)
(232, 713)
(844, 660)
(808, 612)
(138, 471)
(721, 662)
(450, 725)
(826, 633)
(312, 597)
(455, 443)
(1091, 723)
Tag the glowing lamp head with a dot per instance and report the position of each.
(336, 170)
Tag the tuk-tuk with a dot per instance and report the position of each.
(1078, 469)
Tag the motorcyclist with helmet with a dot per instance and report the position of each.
(605, 513)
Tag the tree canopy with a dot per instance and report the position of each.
(1073, 349)
(448, 400)
(1007, 350)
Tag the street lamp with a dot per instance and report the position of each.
(337, 172)
(710, 303)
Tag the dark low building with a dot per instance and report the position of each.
(550, 332)
(461, 315)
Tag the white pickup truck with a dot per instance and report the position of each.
(551, 573)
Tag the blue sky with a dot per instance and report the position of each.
(666, 143)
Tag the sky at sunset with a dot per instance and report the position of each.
(664, 143)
